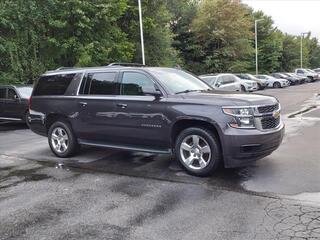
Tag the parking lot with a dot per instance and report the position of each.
(110, 194)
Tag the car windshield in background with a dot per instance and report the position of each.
(25, 92)
(210, 80)
(178, 81)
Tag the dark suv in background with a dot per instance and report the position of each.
(14, 102)
(159, 110)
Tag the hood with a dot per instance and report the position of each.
(228, 99)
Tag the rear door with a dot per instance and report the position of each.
(96, 120)
(3, 95)
(229, 83)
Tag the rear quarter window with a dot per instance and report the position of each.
(53, 85)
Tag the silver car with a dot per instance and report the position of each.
(222, 82)
(274, 82)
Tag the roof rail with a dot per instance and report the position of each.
(126, 64)
(64, 68)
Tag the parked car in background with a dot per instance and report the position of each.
(222, 82)
(317, 77)
(294, 78)
(158, 110)
(302, 79)
(14, 102)
(312, 76)
(293, 81)
(317, 70)
(274, 82)
(262, 84)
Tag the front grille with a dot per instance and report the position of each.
(270, 122)
(268, 109)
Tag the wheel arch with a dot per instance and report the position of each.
(185, 123)
(54, 117)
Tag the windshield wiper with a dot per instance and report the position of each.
(188, 91)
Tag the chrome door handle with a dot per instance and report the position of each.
(122, 105)
(83, 104)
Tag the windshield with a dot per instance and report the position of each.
(25, 92)
(251, 76)
(210, 80)
(179, 81)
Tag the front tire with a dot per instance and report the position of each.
(277, 85)
(198, 151)
(243, 89)
(61, 140)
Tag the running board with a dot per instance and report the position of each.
(125, 147)
(10, 119)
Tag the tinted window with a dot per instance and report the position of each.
(2, 93)
(103, 83)
(228, 79)
(53, 85)
(12, 94)
(300, 71)
(136, 84)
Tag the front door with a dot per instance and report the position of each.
(12, 107)
(140, 117)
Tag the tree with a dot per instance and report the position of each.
(269, 44)
(223, 32)
(157, 34)
(37, 35)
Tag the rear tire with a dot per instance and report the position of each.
(277, 85)
(198, 151)
(62, 140)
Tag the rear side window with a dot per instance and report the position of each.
(103, 83)
(3, 93)
(53, 85)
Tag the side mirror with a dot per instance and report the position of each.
(218, 84)
(157, 93)
(16, 98)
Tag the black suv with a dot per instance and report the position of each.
(14, 102)
(158, 110)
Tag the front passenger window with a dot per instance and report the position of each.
(136, 84)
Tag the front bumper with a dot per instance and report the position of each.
(243, 146)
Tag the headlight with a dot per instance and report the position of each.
(243, 117)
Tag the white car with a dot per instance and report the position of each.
(222, 82)
(317, 70)
(274, 82)
(312, 76)
(248, 85)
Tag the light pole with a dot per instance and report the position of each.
(256, 41)
(141, 33)
(301, 49)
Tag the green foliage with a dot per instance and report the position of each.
(222, 29)
(200, 35)
(158, 37)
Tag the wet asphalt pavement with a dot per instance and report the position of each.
(104, 194)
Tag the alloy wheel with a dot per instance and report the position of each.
(60, 140)
(195, 152)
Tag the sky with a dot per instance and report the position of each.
(291, 16)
